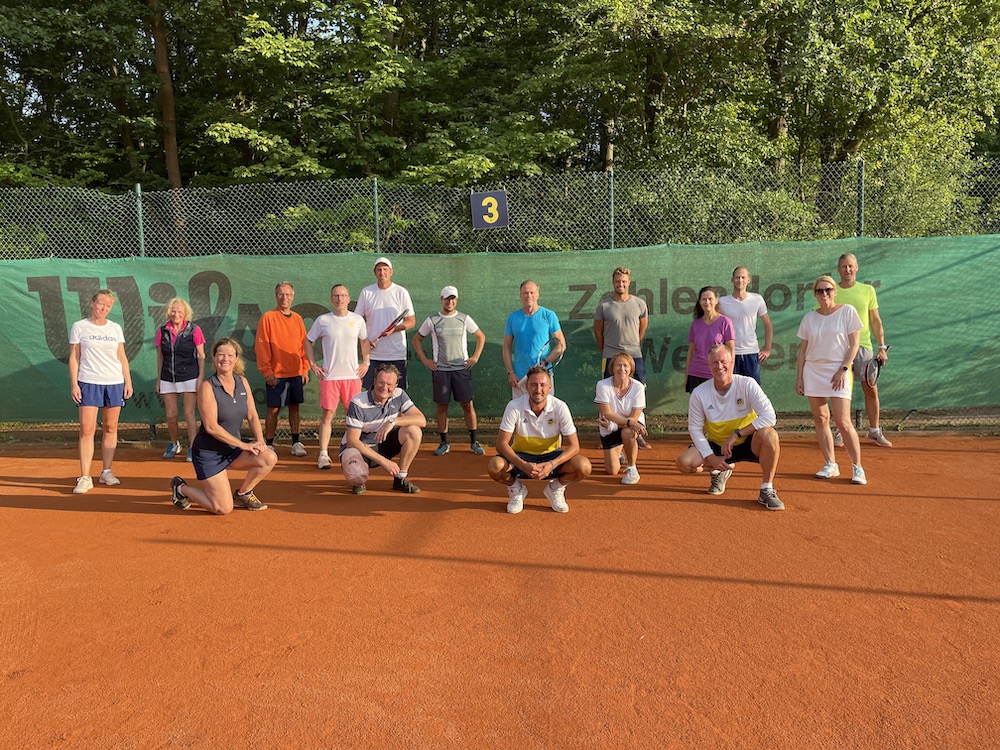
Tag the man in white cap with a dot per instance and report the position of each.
(379, 304)
(451, 365)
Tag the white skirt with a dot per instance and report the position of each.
(817, 377)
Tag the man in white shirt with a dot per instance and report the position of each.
(731, 419)
(341, 333)
(744, 308)
(537, 440)
(379, 304)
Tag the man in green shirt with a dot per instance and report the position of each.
(863, 299)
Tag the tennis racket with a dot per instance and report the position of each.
(873, 369)
(389, 328)
(551, 353)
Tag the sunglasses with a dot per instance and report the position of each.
(824, 291)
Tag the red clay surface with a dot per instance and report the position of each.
(649, 616)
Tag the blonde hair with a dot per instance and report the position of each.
(827, 277)
(103, 293)
(240, 365)
(188, 312)
(622, 271)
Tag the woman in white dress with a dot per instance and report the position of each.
(830, 336)
(620, 401)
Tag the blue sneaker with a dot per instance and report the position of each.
(172, 450)
(190, 456)
(442, 449)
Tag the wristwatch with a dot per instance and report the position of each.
(845, 368)
(737, 432)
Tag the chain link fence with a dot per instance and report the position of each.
(554, 213)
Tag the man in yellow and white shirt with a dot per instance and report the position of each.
(731, 419)
(537, 440)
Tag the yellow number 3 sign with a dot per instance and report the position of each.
(489, 210)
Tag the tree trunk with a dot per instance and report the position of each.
(166, 94)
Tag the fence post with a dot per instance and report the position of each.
(378, 231)
(860, 231)
(138, 213)
(611, 212)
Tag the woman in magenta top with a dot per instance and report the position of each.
(180, 367)
(710, 327)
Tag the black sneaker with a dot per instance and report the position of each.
(404, 485)
(359, 489)
(248, 501)
(176, 497)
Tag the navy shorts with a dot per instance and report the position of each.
(741, 452)
(102, 395)
(389, 448)
(286, 392)
(540, 459)
(369, 379)
(640, 369)
(749, 365)
(448, 383)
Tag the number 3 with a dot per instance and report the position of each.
(491, 215)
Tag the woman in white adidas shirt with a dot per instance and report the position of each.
(99, 379)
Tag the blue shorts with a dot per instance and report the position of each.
(539, 459)
(102, 395)
(286, 392)
(749, 365)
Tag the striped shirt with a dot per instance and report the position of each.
(538, 434)
(365, 415)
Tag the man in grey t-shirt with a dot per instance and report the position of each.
(452, 365)
(620, 323)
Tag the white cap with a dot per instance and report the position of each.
(449, 291)
(385, 260)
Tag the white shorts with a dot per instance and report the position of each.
(185, 386)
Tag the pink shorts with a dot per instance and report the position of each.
(332, 391)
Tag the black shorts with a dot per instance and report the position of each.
(286, 392)
(448, 383)
(612, 441)
(692, 382)
(389, 448)
(741, 452)
(538, 459)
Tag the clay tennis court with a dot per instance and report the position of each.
(649, 616)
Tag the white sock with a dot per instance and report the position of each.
(766, 486)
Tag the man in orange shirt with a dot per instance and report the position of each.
(281, 359)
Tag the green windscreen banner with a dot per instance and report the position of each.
(940, 322)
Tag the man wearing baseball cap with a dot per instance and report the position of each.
(379, 304)
(451, 366)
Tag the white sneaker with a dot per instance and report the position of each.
(631, 476)
(838, 439)
(859, 476)
(829, 471)
(83, 484)
(323, 462)
(878, 437)
(298, 449)
(108, 478)
(516, 492)
(557, 497)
